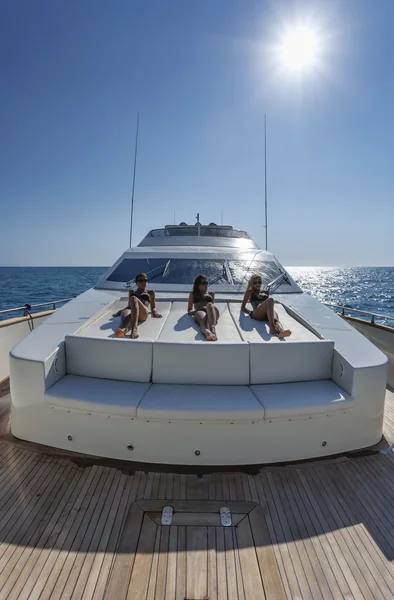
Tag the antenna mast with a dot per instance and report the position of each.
(265, 180)
(135, 165)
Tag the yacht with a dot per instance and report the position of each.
(171, 398)
(170, 467)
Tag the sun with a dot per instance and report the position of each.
(299, 49)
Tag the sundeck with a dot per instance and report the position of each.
(170, 396)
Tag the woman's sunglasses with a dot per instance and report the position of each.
(257, 281)
(141, 280)
(203, 282)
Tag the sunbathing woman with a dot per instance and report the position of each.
(137, 309)
(206, 315)
(263, 307)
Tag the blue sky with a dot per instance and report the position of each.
(74, 74)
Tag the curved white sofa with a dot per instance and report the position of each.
(83, 393)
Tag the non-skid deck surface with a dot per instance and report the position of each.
(314, 530)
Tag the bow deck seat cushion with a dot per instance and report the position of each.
(300, 357)
(201, 403)
(94, 351)
(183, 355)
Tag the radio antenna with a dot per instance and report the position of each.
(135, 165)
(265, 181)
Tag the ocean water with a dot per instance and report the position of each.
(363, 288)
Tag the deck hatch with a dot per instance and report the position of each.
(191, 557)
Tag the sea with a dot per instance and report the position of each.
(364, 288)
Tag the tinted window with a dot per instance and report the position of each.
(242, 270)
(130, 267)
(184, 271)
(193, 231)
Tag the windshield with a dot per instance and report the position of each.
(185, 270)
(204, 232)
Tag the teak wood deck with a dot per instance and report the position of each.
(322, 529)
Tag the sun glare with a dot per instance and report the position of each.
(299, 49)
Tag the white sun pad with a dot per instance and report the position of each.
(200, 403)
(94, 351)
(299, 357)
(183, 355)
(292, 400)
(97, 395)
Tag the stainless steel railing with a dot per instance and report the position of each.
(28, 307)
(372, 316)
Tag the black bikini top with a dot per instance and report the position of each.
(257, 298)
(143, 296)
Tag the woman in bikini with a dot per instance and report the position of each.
(136, 310)
(201, 306)
(263, 307)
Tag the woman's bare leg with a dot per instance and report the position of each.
(125, 320)
(201, 318)
(282, 332)
(212, 318)
(139, 313)
(265, 312)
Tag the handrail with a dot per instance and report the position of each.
(53, 303)
(356, 310)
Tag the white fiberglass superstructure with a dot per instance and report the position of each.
(173, 398)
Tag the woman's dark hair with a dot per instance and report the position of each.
(196, 292)
(140, 275)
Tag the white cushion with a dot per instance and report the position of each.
(292, 400)
(183, 355)
(200, 403)
(300, 357)
(109, 358)
(97, 395)
(105, 325)
(290, 361)
(94, 351)
(258, 331)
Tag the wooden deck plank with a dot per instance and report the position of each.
(341, 534)
(110, 526)
(172, 564)
(221, 564)
(212, 566)
(232, 584)
(25, 497)
(249, 567)
(326, 525)
(269, 571)
(326, 557)
(281, 553)
(139, 581)
(124, 561)
(51, 587)
(153, 570)
(353, 530)
(15, 566)
(59, 537)
(292, 569)
(333, 538)
(35, 513)
(100, 574)
(353, 506)
(75, 560)
(33, 559)
(181, 565)
(162, 564)
(84, 559)
(312, 566)
(306, 577)
(196, 563)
